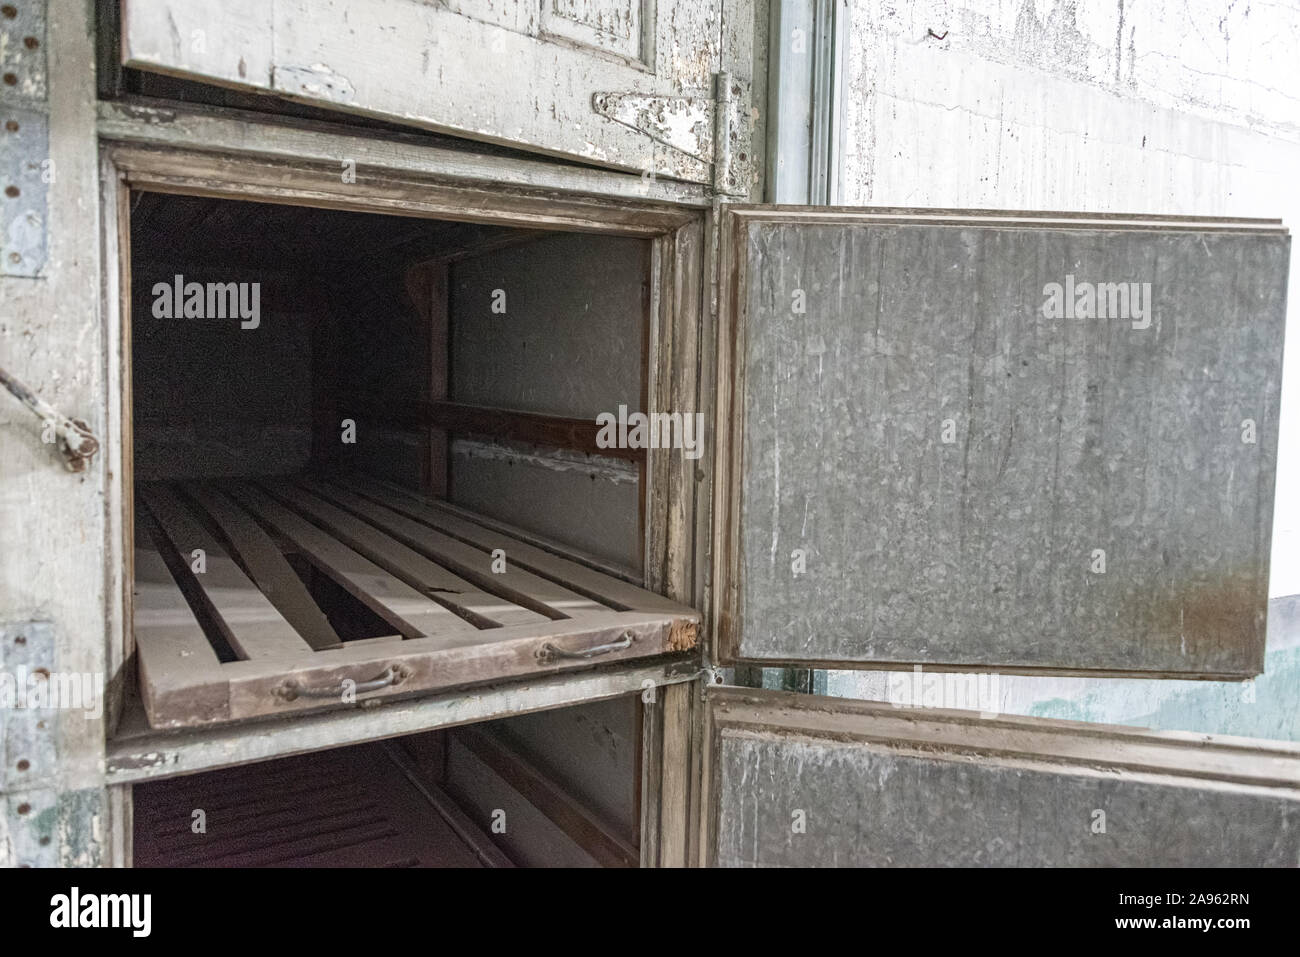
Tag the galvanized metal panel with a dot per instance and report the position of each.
(25, 168)
(27, 724)
(802, 781)
(934, 472)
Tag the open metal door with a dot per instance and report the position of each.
(621, 83)
(1029, 442)
(801, 780)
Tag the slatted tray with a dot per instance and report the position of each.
(235, 632)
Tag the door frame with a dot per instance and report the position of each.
(230, 154)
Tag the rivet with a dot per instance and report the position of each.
(24, 808)
(31, 43)
(9, 10)
(24, 764)
(11, 191)
(44, 842)
(11, 79)
(20, 640)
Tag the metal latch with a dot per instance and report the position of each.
(708, 130)
(74, 438)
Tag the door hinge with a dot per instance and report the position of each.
(75, 440)
(717, 131)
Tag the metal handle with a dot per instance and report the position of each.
(289, 690)
(74, 437)
(549, 651)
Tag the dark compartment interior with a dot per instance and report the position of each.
(556, 788)
(382, 364)
(467, 357)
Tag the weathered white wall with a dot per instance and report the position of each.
(1140, 106)
(58, 531)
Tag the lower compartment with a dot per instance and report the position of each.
(557, 788)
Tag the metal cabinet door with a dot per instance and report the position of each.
(801, 780)
(621, 83)
(1031, 442)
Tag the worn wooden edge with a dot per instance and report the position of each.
(649, 778)
(963, 734)
(139, 752)
(270, 687)
(119, 506)
(675, 777)
(563, 810)
(998, 218)
(729, 428)
(1000, 668)
(275, 180)
(147, 121)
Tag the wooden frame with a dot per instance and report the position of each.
(220, 152)
(245, 171)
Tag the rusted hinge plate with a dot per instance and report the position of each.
(716, 131)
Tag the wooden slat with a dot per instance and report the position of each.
(396, 602)
(180, 674)
(268, 567)
(485, 609)
(617, 594)
(474, 563)
(247, 620)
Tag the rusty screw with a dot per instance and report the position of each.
(31, 43)
(9, 10)
(24, 764)
(24, 808)
(20, 640)
(11, 79)
(11, 126)
(11, 191)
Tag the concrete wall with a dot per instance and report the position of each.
(1163, 106)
